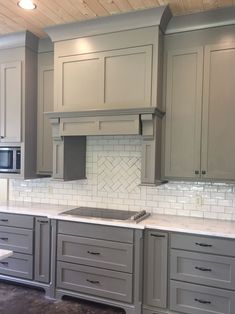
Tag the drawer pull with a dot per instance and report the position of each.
(202, 301)
(4, 220)
(158, 235)
(95, 282)
(4, 239)
(43, 221)
(203, 268)
(93, 253)
(4, 263)
(203, 244)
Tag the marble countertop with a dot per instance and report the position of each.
(210, 227)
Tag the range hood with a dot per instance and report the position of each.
(118, 93)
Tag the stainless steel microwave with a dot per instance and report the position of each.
(10, 158)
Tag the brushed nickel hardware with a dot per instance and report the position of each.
(158, 235)
(93, 253)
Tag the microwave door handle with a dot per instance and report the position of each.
(14, 159)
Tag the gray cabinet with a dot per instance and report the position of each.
(45, 104)
(202, 274)
(183, 113)
(199, 126)
(100, 263)
(10, 102)
(42, 250)
(155, 269)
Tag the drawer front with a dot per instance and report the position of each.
(95, 281)
(18, 265)
(211, 270)
(146, 311)
(96, 231)
(98, 253)
(16, 239)
(15, 220)
(196, 299)
(100, 125)
(211, 245)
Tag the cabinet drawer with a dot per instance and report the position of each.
(211, 270)
(96, 231)
(203, 244)
(196, 299)
(18, 265)
(98, 253)
(15, 220)
(90, 280)
(100, 125)
(16, 239)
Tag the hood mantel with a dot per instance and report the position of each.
(107, 112)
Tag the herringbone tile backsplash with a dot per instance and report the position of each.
(113, 178)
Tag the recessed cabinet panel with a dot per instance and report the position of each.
(10, 102)
(183, 113)
(218, 146)
(128, 78)
(44, 153)
(79, 82)
(115, 79)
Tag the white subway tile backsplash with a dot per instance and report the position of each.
(113, 181)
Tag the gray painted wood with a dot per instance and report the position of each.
(109, 24)
(106, 125)
(16, 239)
(19, 39)
(95, 281)
(45, 103)
(96, 253)
(18, 265)
(196, 299)
(201, 20)
(155, 274)
(69, 158)
(183, 113)
(42, 247)
(204, 269)
(16, 220)
(218, 148)
(10, 102)
(109, 233)
(203, 244)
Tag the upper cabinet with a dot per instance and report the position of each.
(200, 96)
(111, 63)
(112, 79)
(45, 104)
(18, 99)
(10, 102)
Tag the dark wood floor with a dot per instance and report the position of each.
(24, 300)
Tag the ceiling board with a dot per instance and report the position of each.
(52, 12)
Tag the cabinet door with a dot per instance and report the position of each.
(42, 250)
(183, 113)
(218, 145)
(114, 79)
(155, 277)
(10, 102)
(45, 104)
(58, 159)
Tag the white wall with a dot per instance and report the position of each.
(113, 178)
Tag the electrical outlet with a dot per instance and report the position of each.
(198, 200)
(50, 189)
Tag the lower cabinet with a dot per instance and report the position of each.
(155, 269)
(100, 263)
(29, 238)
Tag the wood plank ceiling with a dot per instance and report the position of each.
(51, 12)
